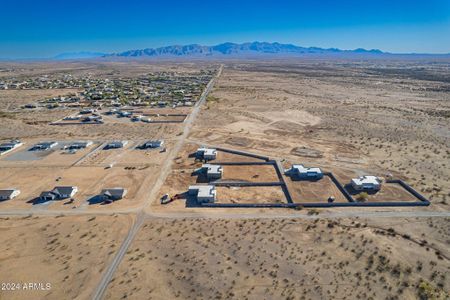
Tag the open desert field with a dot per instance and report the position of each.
(289, 259)
(69, 253)
(348, 118)
(379, 117)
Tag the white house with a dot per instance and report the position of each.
(206, 153)
(78, 145)
(42, 146)
(86, 111)
(302, 172)
(10, 146)
(213, 171)
(203, 193)
(72, 118)
(368, 182)
(8, 194)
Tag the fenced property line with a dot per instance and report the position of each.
(340, 187)
(274, 163)
(315, 204)
(164, 115)
(75, 123)
(241, 163)
(278, 170)
(155, 122)
(290, 203)
(408, 188)
(245, 183)
(243, 153)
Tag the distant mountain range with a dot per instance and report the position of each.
(78, 55)
(244, 50)
(232, 49)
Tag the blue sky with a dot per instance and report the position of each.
(32, 29)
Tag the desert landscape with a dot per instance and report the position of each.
(67, 252)
(378, 117)
(288, 258)
(349, 118)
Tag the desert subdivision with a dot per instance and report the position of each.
(109, 192)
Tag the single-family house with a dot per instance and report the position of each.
(78, 145)
(206, 153)
(305, 173)
(203, 193)
(115, 145)
(8, 194)
(43, 146)
(152, 144)
(212, 171)
(368, 183)
(113, 194)
(9, 146)
(59, 193)
(86, 111)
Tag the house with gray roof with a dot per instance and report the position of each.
(59, 193)
(113, 194)
(8, 194)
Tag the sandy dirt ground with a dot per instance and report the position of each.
(245, 195)
(347, 117)
(314, 191)
(289, 259)
(365, 117)
(69, 253)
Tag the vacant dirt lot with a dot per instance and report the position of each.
(251, 194)
(68, 252)
(263, 173)
(292, 259)
(314, 191)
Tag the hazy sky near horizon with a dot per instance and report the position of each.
(39, 29)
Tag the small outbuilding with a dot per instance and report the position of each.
(366, 183)
(203, 193)
(8, 194)
(305, 173)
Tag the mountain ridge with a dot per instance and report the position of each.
(230, 49)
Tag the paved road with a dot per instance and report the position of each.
(208, 214)
(300, 215)
(165, 170)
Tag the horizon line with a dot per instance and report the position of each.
(54, 57)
